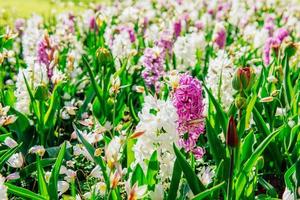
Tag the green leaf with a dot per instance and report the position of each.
(288, 176)
(176, 176)
(41, 93)
(259, 150)
(216, 147)
(91, 151)
(251, 162)
(53, 192)
(153, 167)
(207, 192)
(221, 115)
(8, 154)
(138, 176)
(93, 80)
(32, 166)
(130, 153)
(4, 136)
(191, 177)
(24, 193)
(271, 191)
(43, 189)
(249, 109)
(49, 119)
(287, 83)
(247, 146)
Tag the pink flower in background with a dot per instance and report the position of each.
(153, 61)
(45, 53)
(220, 36)
(281, 34)
(177, 28)
(165, 42)
(188, 101)
(273, 43)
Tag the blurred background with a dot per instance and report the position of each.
(25, 8)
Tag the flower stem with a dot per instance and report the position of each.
(229, 185)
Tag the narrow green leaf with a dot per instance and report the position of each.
(259, 150)
(216, 147)
(53, 192)
(249, 109)
(191, 177)
(221, 115)
(24, 193)
(207, 192)
(43, 189)
(4, 136)
(152, 170)
(138, 176)
(176, 176)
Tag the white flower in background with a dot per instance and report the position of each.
(16, 160)
(35, 74)
(135, 192)
(152, 32)
(185, 49)
(13, 176)
(40, 150)
(3, 189)
(121, 46)
(58, 76)
(289, 195)
(11, 143)
(79, 149)
(206, 174)
(100, 188)
(158, 193)
(113, 151)
(221, 68)
(260, 38)
(62, 187)
(96, 172)
(158, 124)
(130, 14)
(30, 38)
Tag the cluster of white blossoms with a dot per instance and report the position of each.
(31, 36)
(185, 49)
(219, 78)
(35, 74)
(158, 124)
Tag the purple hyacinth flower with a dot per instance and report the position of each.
(188, 101)
(153, 62)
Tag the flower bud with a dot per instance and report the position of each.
(104, 56)
(240, 102)
(291, 49)
(243, 78)
(232, 138)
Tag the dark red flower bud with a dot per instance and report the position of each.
(232, 138)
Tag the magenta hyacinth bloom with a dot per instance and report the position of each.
(92, 23)
(177, 28)
(220, 37)
(188, 101)
(45, 54)
(281, 34)
(42, 52)
(153, 61)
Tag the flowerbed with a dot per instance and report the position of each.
(152, 100)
